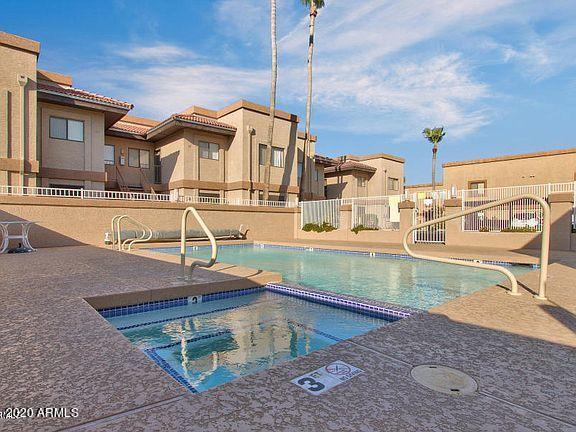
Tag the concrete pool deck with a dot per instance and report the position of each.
(58, 351)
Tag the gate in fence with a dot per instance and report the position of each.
(428, 206)
(520, 215)
(318, 212)
(376, 212)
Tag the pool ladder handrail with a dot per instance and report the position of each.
(544, 251)
(213, 244)
(126, 245)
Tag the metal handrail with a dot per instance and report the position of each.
(544, 252)
(127, 243)
(183, 245)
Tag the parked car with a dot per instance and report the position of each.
(525, 220)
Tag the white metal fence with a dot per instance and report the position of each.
(134, 196)
(428, 206)
(318, 212)
(524, 214)
(376, 212)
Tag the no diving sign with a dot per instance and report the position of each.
(324, 378)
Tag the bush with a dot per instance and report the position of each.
(519, 230)
(359, 228)
(324, 227)
(484, 229)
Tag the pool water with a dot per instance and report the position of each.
(207, 344)
(415, 283)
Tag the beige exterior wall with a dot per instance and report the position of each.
(385, 170)
(14, 62)
(523, 170)
(61, 158)
(345, 184)
(65, 222)
(243, 156)
(130, 174)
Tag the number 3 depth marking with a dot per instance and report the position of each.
(311, 384)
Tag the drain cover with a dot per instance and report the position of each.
(444, 379)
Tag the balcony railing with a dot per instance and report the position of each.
(136, 196)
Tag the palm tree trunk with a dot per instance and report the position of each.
(304, 182)
(434, 151)
(273, 79)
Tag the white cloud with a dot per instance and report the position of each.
(159, 52)
(158, 91)
(540, 57)
(381, 66)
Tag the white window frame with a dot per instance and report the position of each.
(361, 181)
(393, 183)
(277, 150)
(67, 133)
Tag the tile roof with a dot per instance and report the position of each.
(202, 120)
(83, 94)
(130, 128)
(324, 160)
(350, 165)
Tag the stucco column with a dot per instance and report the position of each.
(406, 217)
(561, 208)
(346, 217)
(454, 226)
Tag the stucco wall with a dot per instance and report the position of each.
(60, 154)
(64, 222)
(131, 175)
(516, 172)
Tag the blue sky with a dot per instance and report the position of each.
(500, 75)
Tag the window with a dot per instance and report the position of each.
(138, 158)
(393, 184)
(361, 182)
(66, 129)
(262, 154)
(478, 185)
(299, 171)
(145, 159)
(208, 150)
(277, 157)
(317, 174)
(109, 158)
(134, 158)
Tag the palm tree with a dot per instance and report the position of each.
(313, 6)
(434, 135)
(273, 80)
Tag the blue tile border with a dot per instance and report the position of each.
(345, 252)
(180, 301)
(151, 353)
(381, 310)
(387, 311)
(181, 317)
(142, 307)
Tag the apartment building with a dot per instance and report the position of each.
(56, 135)
(555, 166)
(353, 176)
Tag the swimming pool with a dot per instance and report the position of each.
(208, 343)
(415, 283)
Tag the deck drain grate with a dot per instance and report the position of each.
(444, 379)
